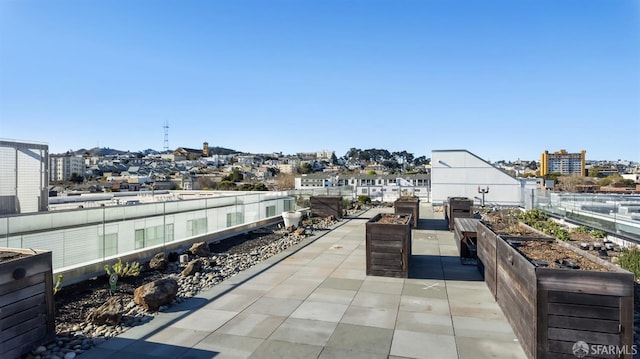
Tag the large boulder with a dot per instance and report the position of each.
(200, 249)
(192, 268)
(155, 294)
(158, 262)
(109, 313)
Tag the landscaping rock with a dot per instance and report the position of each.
(192, 268)
(155, 294)
(200, 249)
(108, 313)
(159, 262)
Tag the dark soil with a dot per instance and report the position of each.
(556, 256)
(6, 256)
(388, 218)
(73, 303)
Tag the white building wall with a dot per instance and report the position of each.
(459, 173)
(23, 177)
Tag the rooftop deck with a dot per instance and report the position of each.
(315, 301)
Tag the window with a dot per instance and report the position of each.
(288, 205)
(196, 227)
(364, 190)
(271, 211)
(155, 235)
(139, 238)
(108, 245)
(234, 219)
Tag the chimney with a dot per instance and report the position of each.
(205, 149)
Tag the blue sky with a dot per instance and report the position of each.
(503, 79)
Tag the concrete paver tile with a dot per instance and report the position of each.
(271, 349)
(361, 339)
(423, 345)
(328, 312)
(304, 331)
(224, 346)
(482, 348)
(254, 325)
(274, 306)
(341, 283)
(369, 316)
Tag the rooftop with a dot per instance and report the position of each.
(315, 300)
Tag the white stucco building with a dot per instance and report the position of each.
(460, 173)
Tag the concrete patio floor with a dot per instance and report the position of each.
(315, 301)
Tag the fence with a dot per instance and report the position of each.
(83, 237)
(614, 214)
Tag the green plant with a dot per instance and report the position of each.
(127, 270)
(583, 229)
(563, 235)
(346, 203)
(56, 288)
(364, 199)
(598, 233)
(630, 260)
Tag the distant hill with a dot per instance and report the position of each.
(222, 151)
(97, 151)
(105, 151)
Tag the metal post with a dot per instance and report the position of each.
(483, 191)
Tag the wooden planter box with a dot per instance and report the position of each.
(457, 207)
(27, 317)
(325, 206)
(388, 245)
(408, 205)
(550, 309)
(465, 235)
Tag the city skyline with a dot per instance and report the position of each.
(505, 80)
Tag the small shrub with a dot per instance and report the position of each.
(563, 235)
(630, 260)
(127, 270)
(598, 233)
(583, 229)
(364, 199)
(58, 285)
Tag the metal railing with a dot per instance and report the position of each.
(614, 214)
(84, 237)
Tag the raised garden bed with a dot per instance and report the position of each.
(457, 207)
(27, 317)
(554, 294)
(408, 205)
(325, 206)
(388, 245)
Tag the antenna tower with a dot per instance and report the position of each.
(166, 136)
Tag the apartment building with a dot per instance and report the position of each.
(563, 162)
(62, 167)
(384, 188)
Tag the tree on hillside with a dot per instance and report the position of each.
(234, 176)
(305, 168)
(76, 178)
(334, 159)
(616, 179)
(285, 181)
(570, 183)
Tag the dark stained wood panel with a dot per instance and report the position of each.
(325, 206)
(388, 248)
